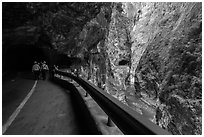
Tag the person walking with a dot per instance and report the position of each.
(44, 70)
(41, 73)
(36, 70)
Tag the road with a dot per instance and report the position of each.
(53, 110)
(50, 110)
(14, 90)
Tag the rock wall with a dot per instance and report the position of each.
(166, 60)
(116, 48)
(91, 43)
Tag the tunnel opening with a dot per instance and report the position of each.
(21, 58)
(63, 61)
(123, 62)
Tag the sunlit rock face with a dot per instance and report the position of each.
(166, 58)
(143, 17)
(118, 51)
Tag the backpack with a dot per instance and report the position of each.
(44, 67)
(36, 67)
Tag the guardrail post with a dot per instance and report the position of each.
(110, 122)
(86, 95)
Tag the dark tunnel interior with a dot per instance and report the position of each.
(123, 62)
(21, 58)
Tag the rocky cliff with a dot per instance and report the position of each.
(152, 50)
(136, 51)
(166, 54)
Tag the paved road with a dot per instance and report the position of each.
(14, 90)
(50, 110)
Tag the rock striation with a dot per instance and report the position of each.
(166, 61)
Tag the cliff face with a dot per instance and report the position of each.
(118, 51)
(166, 61)
(91, 47)
(135, 51)
(162, 46)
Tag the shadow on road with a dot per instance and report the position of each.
(85, 121)
(26, 75)
(9, 97)
(8, 75)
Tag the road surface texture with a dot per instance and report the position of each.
(14, 90)
(50, 110)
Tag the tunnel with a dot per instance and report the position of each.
(21, 58)
(123, 62)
